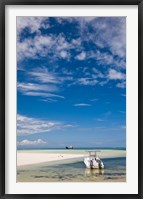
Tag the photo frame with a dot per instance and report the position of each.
(5, 117)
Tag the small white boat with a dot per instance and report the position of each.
(93, 161)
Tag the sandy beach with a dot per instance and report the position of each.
(28, 157)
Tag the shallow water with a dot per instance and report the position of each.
(73, 171)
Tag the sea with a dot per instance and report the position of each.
(73, 170)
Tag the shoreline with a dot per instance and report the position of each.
(30, 157)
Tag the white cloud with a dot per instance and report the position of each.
(52, 78)
(70, 125)
(27, 125)
(76, 42)
(62, 43)
(34, 47)
(64, 54)
(115, 75)
(81, 56)
(94, 100)
(41, 94)
(44, 76)
(49, 100)
(32, 23)
(35, 87)
(97, 73)
(107, 33)
(104, 36)
(86, 81)
(102, 83)
(102, 57)
(41, 90)
(100, 120)
(79, 19)
(121, 85)
(111, 33)
(106, 59)
(89, 19)
(82, 104)
(67, 72)
(31, 142)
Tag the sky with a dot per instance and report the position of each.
(71, 82)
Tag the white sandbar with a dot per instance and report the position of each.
(34, 157)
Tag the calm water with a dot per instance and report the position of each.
(73, 171)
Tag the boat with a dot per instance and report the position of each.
(93, 161)
(69, 147)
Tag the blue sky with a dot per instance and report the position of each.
(71, 82)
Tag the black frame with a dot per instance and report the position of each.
(3, 3)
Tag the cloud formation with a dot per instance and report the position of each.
(33, 24)
(82, 104)
(27, 125)
(99, 43)
(41, 90)
(35, 87)
(56, 46)
(115, 75)
(31, 142)
(65, 65)
(81, 56)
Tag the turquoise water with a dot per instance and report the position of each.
(84, 148)
(73, 171)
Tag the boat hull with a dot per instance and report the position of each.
(93, 164)
(70, 147)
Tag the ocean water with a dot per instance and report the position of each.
(73, 170)
(74, 149)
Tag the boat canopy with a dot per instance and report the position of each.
(93, 153)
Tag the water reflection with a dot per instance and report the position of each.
(115, 170)
(93, 172)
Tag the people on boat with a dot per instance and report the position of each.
(99, 163)
(91, 163)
